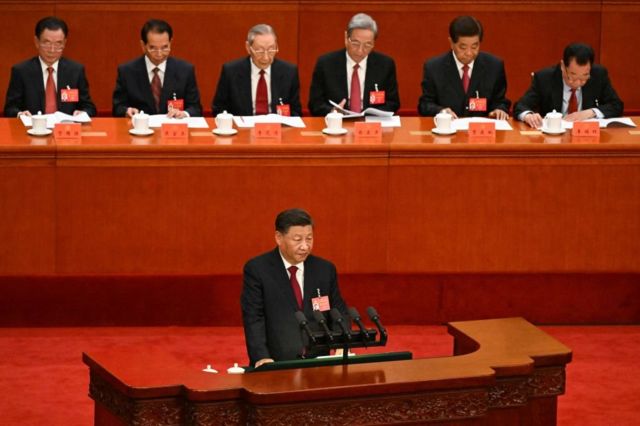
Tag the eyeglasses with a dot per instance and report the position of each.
(261, 52)
(359, 45)
(164, 49)
(56, 47)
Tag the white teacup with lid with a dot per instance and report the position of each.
(552, 122)
(224, 121)
(140, 121)
(333, 120)
(39, 123)
(442, 121)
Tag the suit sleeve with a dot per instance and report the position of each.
(498, 97)
(609, 103)
(85, 103)
(220, 100)
(192, 103)
(253, 315)
(318, 101)
(13, 102)
(120, 98)
(427, 105)
(294, 95)
(392, 97)
(531, 100)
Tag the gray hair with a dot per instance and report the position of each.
(362, 21)
(260, 29)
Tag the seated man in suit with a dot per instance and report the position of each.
(355, 77)
(155, 82)
(259, 83)
(48, 82)
(576, 87)
(279, 283)
(465, 82)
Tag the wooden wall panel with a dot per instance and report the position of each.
(527, 36)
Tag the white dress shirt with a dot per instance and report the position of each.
(255, 77)
(362, 71)
(299, 273)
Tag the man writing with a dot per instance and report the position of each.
(155, 82)
(356, 77)
(260, 83)
(576, 87)
(48, 82)
(279, 283)
(465, 81)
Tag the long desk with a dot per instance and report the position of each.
(504, 371)
(410, 205)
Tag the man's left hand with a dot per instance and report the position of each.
(498, 114)
(580, 115)
(176, 113)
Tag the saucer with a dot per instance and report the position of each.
(43, 133)
(328, 131)
(221, 132)
(141, 132)
(552, 132)
(443, 132)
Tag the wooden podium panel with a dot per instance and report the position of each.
(504, 371)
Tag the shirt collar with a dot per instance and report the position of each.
(256, 70)
(151, 65)
(45, 66)
(287, 265)
(459, 64)
(351, 62)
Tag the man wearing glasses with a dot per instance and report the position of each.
(48, 82)
(355, 77)
(260, 83)
(155, 82)
(576, 87)
(465, 81)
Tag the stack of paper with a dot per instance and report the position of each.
(251, 120)
(58, 117)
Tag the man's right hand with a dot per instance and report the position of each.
(263, 361)
(533, 119)
(450, 111)
(27, 113)
(131, 111)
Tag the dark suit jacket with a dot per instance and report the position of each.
(442, 86)
(233, 93)
(545, 93)
(329, 82)
(133, 88)
(26, 88)
(269, 305)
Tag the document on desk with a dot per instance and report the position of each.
(58, 117)
(393, 121)
(250, 121)
(605, 122)
(157, 120)
(463, 123)
(369, 111)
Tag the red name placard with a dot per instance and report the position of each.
(67, 132)
(482, 132)
(174, 133)
(589, 129)
(364, 132)
(267, 131)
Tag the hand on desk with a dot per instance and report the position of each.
(263, 361)
(499, 114)
(533, 119)
(580, 115)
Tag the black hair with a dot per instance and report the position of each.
(157, 26)
(581, 52)
(292, 217)
(465, 26)
(51, 23)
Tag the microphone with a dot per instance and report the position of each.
(336, 316)
(355, 316)
(304, 324)
(319, 317)
(373, 314)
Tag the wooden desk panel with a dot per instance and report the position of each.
(506, 371)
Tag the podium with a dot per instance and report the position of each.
(331, 360)
(504, 371)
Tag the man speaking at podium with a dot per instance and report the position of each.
(279, 283)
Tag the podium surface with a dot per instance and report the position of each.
(504, 371)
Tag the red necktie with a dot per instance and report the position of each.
(262, 97)
(156, 88)
(295, 286)
(355, 103)
(573, 102)
(51, 105)
(465, 77)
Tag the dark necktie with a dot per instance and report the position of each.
(50, 94)
(262, 97)
(355, 103)
(465, 77)
(295, 286)
(573, 102)
(156, 88)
